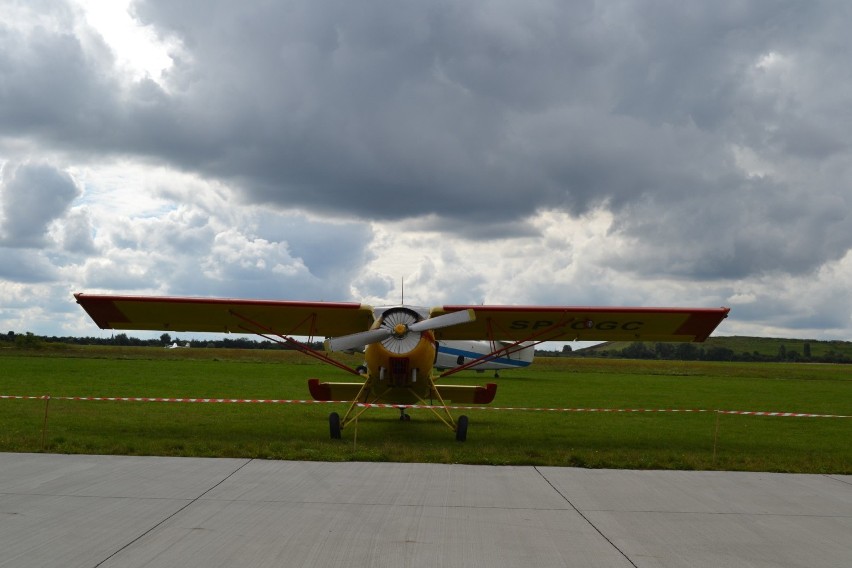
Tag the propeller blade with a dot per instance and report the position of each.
(357, 340)
(364, 338)
(446, 320)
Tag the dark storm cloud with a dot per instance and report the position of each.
(51, 88)
(732, 231)
(470, 117)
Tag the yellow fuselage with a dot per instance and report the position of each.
(401, 377)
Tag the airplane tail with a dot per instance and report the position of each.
(523, 352)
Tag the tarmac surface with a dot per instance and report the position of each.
(92, 511)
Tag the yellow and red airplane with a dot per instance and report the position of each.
(400, 343)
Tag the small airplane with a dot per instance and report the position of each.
(402, 343)
(452, 354)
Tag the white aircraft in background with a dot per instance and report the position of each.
(477, 355)
(401, 343)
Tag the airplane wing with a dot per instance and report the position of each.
(577, 323)
(320, 319)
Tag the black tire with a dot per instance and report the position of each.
(461, 429)
(334, 425)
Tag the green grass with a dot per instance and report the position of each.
(624, 440)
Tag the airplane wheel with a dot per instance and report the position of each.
(334, 425)
(461, 429)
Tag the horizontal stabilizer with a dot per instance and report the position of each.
(465, 394)
(333, 391)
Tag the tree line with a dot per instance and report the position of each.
(636, 350)
(30, 340)
(691, 352)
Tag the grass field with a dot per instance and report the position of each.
(739, 345)
(628, 440)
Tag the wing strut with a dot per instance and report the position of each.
(508, 349)
(287, 340)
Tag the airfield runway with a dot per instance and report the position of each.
(88, 511)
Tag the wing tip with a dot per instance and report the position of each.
(102, 310)
(702, 324)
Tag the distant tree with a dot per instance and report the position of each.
(686, 352)
(121, 339)
(28, 341)
(719, 354)
(664, 350)
(833, 356)
(782, 353)
(566, 349)
(637, 350)
(166, 339)
(806, 350)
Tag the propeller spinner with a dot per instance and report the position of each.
(399, 330)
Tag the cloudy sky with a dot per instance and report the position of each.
(627, 152)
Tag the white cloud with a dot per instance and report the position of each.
(138, 50)
(21, 265)
(74, 236)
(31, 197)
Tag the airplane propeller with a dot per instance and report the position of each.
(356, 340)
(397, 325)
(446, 320)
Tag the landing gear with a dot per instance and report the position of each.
(334, 425)
(461, 429)
(403, 416)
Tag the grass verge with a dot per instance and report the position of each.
(624, 440)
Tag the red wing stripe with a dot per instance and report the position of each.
(88, 299)
(701, 324)
(583, 309)
(102, 310)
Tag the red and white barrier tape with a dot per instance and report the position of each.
(618, 410)
(416, 406)
(158, 399)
